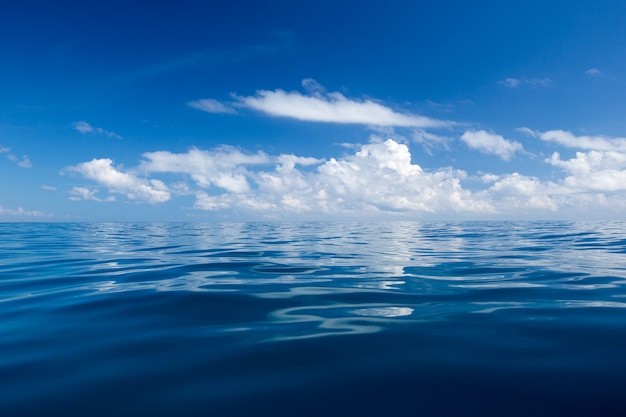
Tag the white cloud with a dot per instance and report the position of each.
(103, 172)
(48, 188)
(84, 128)
(378, 178)
(515, 191)
(224, 168)
(381, 177)
(597, 171)
(565, 138)
(20, 212)
(491, 144)
(533, 82)
(210, 105)
(82, 193)
(319, 106)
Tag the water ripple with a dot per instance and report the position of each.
(97, 297)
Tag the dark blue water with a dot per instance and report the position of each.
(313, 319)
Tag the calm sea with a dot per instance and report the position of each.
(313, 319)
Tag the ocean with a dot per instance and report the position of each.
(313, 319)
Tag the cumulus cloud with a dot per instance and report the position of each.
(597, 171)
(319, 106)
(515, 191)
(85, 128)
(594, 178)
(379, 177)
(211, 106)
(511, 82)
(491, 144)
(373, 179)
(224, 167)
(133, 187)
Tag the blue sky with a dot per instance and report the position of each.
(250, 110)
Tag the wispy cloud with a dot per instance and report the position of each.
(517, 82)
(593, 72)
(23, 162)
(82, 193)
(20, 212)
(84, 128)
(491, 144)
(333, 108)
(211, 106)
(319, 106)
(568, 139)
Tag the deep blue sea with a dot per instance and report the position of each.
(313, 319)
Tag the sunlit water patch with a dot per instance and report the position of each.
(402, 319)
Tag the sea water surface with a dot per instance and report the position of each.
(313, 319)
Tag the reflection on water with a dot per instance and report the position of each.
(335, 320)
(77, 300)
(460, 265)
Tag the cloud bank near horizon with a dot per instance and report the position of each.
(378, 178)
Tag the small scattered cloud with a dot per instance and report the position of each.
(428, 139)
(48, 188)
(82, 193)
(320, 106)
(510, 82)
(593, 72)
(85, 128)
(132, 186)
(23, 162)
(210, 105)
(20, 212)
(517, 82)
(491, 144)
